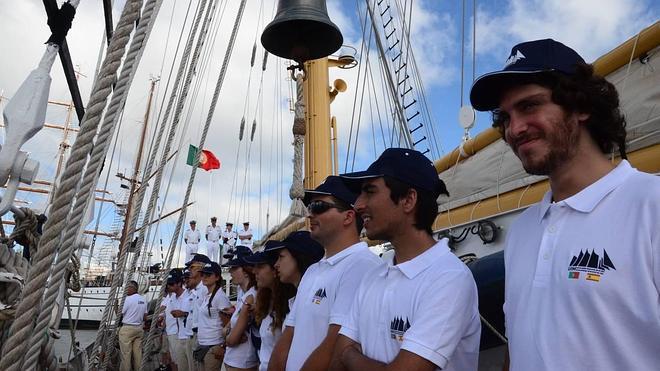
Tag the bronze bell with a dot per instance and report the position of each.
(301, 31)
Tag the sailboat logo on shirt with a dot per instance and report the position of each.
(398, 327)
(318, 296)
(591, 264)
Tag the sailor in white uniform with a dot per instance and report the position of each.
(192, 237)
(229, 237)
(213, 233)
(245, 235)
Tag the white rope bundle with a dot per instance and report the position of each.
(297, 191)
(152, 331)
(14, 350)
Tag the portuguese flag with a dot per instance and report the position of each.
(207, 159)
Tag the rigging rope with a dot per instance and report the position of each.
(148, 344)
(15, 348)
(117, 280)
(99, 152)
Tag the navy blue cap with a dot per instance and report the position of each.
(407, 165)
(261, 257)
(238, 258)
(302, 243)
(198, 258)
(187, 273)
(174, 278)
(332, 186)
(212, 268)
(525, 58)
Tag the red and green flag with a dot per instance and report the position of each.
(207, 159)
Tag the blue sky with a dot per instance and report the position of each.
(592, 27)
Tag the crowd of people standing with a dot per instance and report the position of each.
(321, 300)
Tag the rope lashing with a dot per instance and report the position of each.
(26, 231)
(60, 23)
(240, 132)
(297, 191)
(264, 62)
(254, 54)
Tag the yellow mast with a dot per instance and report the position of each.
(320, 158)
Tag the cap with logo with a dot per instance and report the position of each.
(212, 268)
(332, 186)
(198, 258)
(406, 165)
(525, 58)
(300, 242)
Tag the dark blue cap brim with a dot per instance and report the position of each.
(487, 89)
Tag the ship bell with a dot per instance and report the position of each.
(301, 31)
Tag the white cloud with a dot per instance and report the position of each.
(592, 27)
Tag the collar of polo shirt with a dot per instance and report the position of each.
(587, 199)
(344, 253)
(415, 266)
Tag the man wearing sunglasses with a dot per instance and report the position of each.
(419, 311)
(327, 289)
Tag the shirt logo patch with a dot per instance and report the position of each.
(318, 296)
(591, 264)
(398, 327)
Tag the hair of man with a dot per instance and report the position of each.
(426, 208)
(582, 92)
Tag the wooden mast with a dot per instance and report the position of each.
(136, 170)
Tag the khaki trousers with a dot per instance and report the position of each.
(130, 344)
(184, 357)
(211, 363)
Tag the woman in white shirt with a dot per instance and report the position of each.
(272, 304)
(240, 353)
(211, 317)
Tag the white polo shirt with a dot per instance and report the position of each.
(269, 337)
(135, 307)
(213, 233)
(583, 278)
(170, 322)
(427, 306)
(199, 294)
(243, 233)
(324, 297)
(242, 355)
(183, 303)
(209, 321)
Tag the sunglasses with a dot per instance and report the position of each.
(319, 207)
